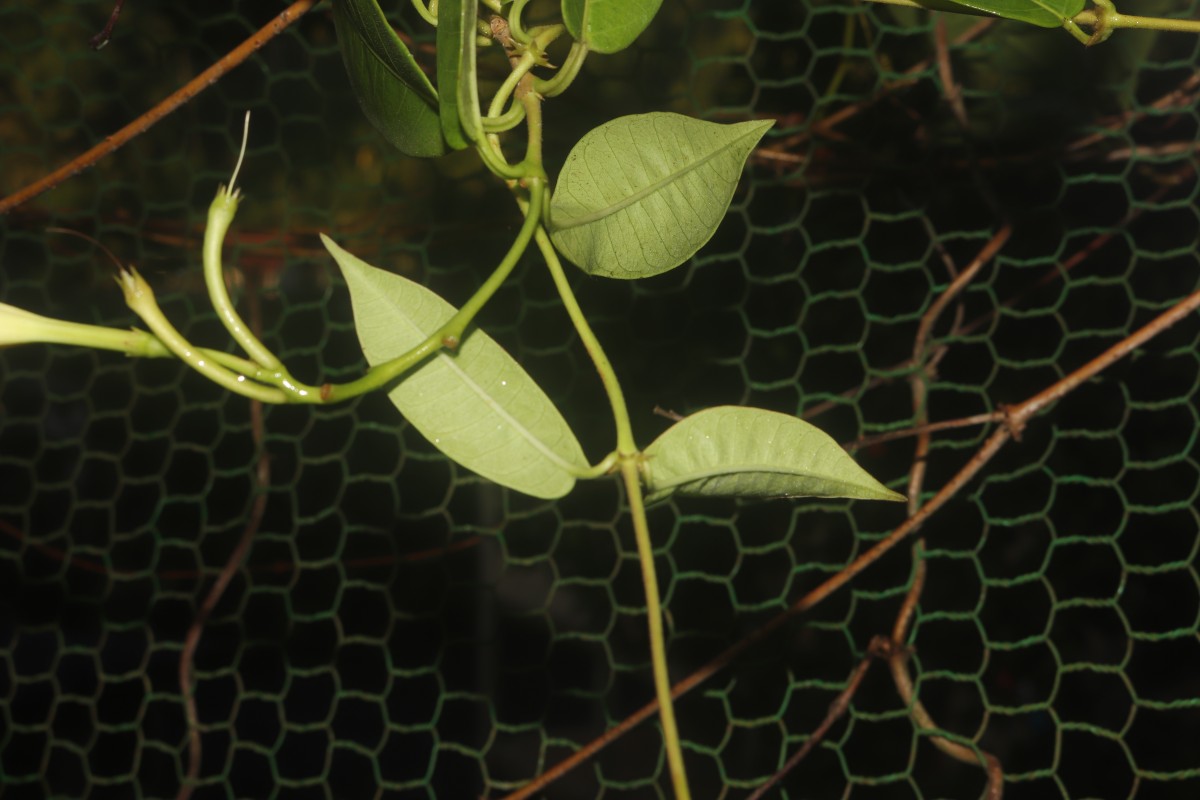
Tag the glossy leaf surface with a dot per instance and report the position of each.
(477, 406)
(450, 45)
(640, 195)
(1043, 13)
(729, 451)
(392, 90)
(607, 26)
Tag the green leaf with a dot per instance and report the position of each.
(391, 89)
(640, 195)
(456, 69)
(729, 451)
(1043, 13)
(607, 26)
(477, 406)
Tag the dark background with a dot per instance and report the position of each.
(403, 628)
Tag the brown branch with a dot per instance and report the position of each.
(261, 485)
(967, 755)
(1017, 418)
(100, 39)
(1181, 97)
(825, 127)
(930, 427)
(878, 648)
(950, 89)
(143, 123)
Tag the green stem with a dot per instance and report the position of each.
(606, 466)
(1098, 19)
(425, 13)
(140, 298)
(506, 121)
(515, 30)
(1091, 18)
(520, 68)
(493, 159)
(658, 649)
(450, 334)
(616, 398)
(220, 215)
(566, 75)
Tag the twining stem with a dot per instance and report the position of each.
(220, 215)
(451, 333)
(1100, 19)
(628, 457)
(425, 13)
(566, 75)
(658, 649)
(1110, 20)
(612, 387)
(140, 299)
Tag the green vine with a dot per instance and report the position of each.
(637, 197)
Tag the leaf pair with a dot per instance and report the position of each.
(481, 409)
(392, 90)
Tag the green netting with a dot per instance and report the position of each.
(403, 628)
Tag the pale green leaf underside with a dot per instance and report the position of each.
(1043, 13)
(641, 194)
(729, 451)
(607, 26)
(478, 406)
(392, 90)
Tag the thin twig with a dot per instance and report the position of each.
(825, 127)
(950, 88)
(931, 427)
(260, 487)
(1181, 97)
(1017, 417)
(143, 123)
(1059, 270)
(837, 709)
(192, 639)
(100, 39)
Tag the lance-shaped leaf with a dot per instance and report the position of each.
(607, 26)
(478, 406)
(641, 194)
(456, 72)
(729, 451)
(391, 89)
(1043, 13)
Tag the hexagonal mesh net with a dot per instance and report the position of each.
(401, 627)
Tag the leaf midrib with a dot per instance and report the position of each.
(630, 199)
(484, 395)
(743, 469)
(423, 88)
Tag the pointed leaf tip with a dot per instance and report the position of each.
(478, 406)
(729, 451)
(392, 91)
(639, 195)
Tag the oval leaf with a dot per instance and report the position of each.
(1043, 13)
(729, 451)
(641, 194)
(391, 89)
(607, 26)
(478, 406)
